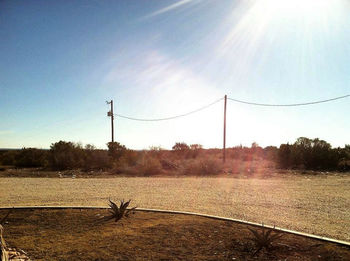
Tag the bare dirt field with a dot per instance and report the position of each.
(314, 204)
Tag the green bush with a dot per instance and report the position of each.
(344, 165)
(8, 157)
(96, 159)
(31, 157)
(66, 155)
(116, 150)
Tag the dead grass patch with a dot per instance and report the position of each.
(73, 235)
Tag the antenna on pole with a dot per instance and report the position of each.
(110, 114)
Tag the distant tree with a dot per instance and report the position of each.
(271, 153)
(254, 145)
(8, 157)
(66, 155)
(90, 147)
(182, 150)
(345, 152)
(180, 146)
(95, 159)
(116, 150)
(256, 150)
(308, 153)
(155, 148)
(284, 156)
(344, 158)
(31, 157)
(314, 154)
(156, 151)
(194, 151)
(196, 147)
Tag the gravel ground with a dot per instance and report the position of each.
(314, 204)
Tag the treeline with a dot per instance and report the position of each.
(313, 154)
(61, 156)
(306, 154)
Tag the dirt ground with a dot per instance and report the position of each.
(77, 235)
(318, 205)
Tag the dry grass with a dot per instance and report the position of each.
(75, 235)
(313, 204)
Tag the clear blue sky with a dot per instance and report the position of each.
(61, 60)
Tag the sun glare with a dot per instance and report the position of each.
(255, 24)
(296, 7)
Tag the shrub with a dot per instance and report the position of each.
(149, 166)
(8, 158)
(115, 150)
(194, 151)
(203, 167)
(129, 158)
(31, 157)
(156, 151)
(344, 165)
(96, 159)
(169, 165)
(66, 155)
(180, 146)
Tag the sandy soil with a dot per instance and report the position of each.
(314, 204)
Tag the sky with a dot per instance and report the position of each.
(60, 61)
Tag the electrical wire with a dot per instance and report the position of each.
(169, 118)
(289, 105)
(234, 100)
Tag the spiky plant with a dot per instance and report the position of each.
(118, 212)
(3, 252)
(265, 238)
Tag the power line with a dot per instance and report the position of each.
(288, 105)
(234, 100)
(172, 117)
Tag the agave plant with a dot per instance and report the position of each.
(3, 252)
(118, 212)
(265, 238)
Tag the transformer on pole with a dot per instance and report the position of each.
(110, 114)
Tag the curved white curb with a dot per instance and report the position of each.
(341, 242)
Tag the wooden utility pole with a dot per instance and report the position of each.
(110, 114)
(224, 145)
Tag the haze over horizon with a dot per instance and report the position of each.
(60, 62)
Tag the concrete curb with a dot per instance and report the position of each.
(340, 242)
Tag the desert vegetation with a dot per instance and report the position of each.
(183, 159)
